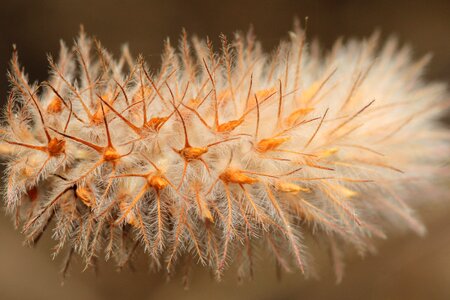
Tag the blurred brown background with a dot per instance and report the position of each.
(406, 267)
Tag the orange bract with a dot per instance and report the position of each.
(86, 195)
(55, 106)
(266, 145)
(157, 182)
(296, 115)
(190, 153)
(56, 146)
(229, 126)
(156, 123)
(289, 187)
(236, 176)
(111, 154)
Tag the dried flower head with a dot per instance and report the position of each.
(223, 151)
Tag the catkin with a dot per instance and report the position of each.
(222, 151)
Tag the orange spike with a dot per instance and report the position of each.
(53, 148)
(216, 106)
(249, 110)
(257, 118)
(154, 86)
(204, 99)
(39, 148)
(41, 116)
(352, 117)
(85, 69)
(129, 107)
(97, 117)
(63, 102)
(197, 114)
(280, 105)
(81, 141)
(156, 123)
(108, 136)
(69, 116)
(229, 126)
(123, 90)
(133, 127)
(186, 139)
(249, 90)
(144, 105)
(220, 142)
(72, 88)
(262, 94)
(130, 175)
(317, 129)
(290, 128)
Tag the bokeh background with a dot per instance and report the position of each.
(406, 266)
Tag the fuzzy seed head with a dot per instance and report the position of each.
(219, 153)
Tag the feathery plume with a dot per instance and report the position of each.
(222, 151)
